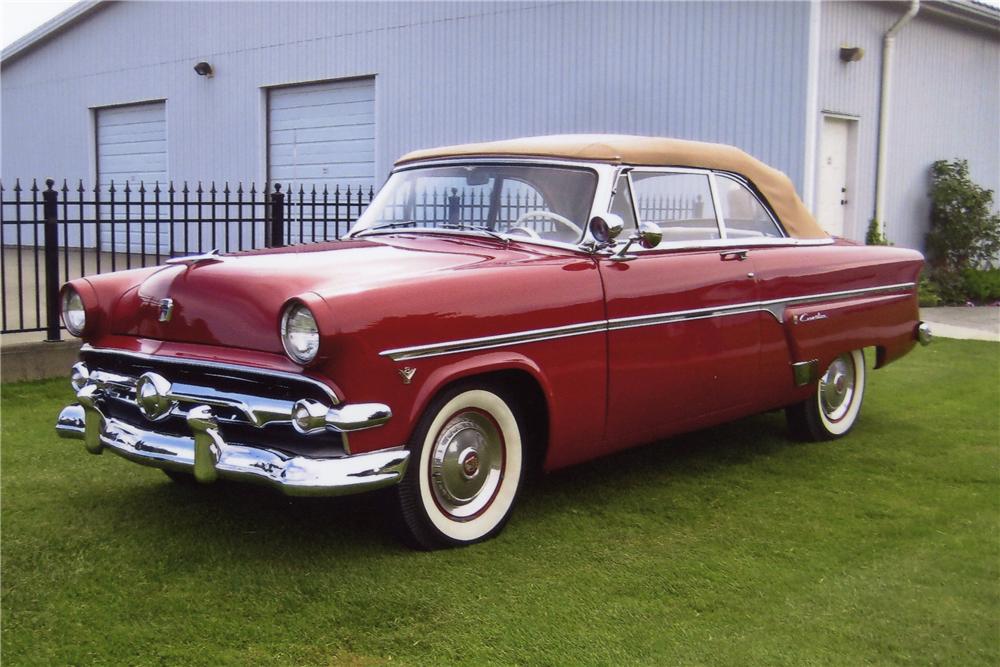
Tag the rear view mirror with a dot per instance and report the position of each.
(606, 228)
(476, 176)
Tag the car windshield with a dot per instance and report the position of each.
(530, 201)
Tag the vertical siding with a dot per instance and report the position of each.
(946, 86)
(946, 94)
(445, 72)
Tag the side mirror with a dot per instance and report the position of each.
(649, 235)
(606, 228)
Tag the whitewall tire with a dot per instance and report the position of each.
(466, 464)
(834, 407)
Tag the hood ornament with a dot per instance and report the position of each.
(212, 255)
(166, 309)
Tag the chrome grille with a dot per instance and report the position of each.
(252, 407)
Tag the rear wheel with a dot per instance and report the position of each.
(466, 464)
(834, 408)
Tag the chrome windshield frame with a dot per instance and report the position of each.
(602, 170)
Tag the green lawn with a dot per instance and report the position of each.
(728, 546)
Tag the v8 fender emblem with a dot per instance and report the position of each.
(407, 374)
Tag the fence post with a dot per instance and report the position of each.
(51, 210)
(277, 217)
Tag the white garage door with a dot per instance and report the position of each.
(322, 134)
(131, 148)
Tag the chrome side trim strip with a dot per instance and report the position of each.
(681, 315)
(773, 305)
(776, 307)
(488, 342)
(254, 370)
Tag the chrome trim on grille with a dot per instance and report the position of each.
(776, 307)
(176, 395)
(258, 410)
(255, 370)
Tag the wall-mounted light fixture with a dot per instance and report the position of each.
(204, 69)
(851, 54)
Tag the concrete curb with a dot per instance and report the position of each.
(941, 330)
(37, 360)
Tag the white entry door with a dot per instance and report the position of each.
(834, 205)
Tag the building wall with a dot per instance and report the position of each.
(945, 90)
(445, 73)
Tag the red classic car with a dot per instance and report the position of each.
(498, 307)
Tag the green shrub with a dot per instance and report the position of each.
(982, 285)
(874, 236)
(964, 233)
(927, 293)
(964, 236)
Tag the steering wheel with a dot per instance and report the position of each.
(555, 217)
(527, 231)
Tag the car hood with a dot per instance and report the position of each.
(237, 300)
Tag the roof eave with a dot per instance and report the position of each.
(52, 26)
(970, 12)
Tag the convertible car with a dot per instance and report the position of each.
(498, 308)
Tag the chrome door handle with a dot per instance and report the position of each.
(729, 255)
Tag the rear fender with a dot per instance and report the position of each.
(820, 331)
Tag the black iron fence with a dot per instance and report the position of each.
(53, 233)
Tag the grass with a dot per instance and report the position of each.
(728, 546)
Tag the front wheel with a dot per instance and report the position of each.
(465, 469)
(834, 408)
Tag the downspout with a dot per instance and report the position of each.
(888, 41)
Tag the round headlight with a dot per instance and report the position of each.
(73, 314)
(299, 333)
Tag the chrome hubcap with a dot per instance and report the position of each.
(836, 388)
(466, 464)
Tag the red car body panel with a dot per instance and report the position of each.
(605, 390)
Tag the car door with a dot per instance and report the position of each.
(684, 328)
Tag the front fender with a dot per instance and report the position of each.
(408, 407)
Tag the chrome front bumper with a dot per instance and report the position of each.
(200, 448)
(208, 457)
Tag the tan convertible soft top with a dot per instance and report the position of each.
(651, 151)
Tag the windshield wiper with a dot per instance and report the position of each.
(386, 225)
(475, 228)
(452, 225)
